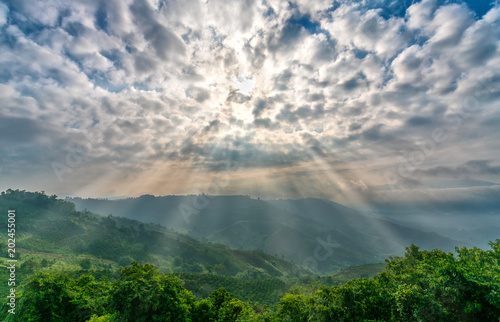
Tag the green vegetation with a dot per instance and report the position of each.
(264, 291)
(421, 286)
(47, 225)
(86, 269)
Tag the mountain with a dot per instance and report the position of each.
(320, 234)
(469, 228)
(47, 225)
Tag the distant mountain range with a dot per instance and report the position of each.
(317, 233)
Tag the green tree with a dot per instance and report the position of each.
(143, 294)
(227, 307)
(420, 286)
(29, 266)
(46, 298)
(125, 260)
(204, 311)
(52, 296)
(85, 264)
(44, 263)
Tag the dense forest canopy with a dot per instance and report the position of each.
(421, 286)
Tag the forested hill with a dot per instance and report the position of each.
(293, 229)
(49, 225)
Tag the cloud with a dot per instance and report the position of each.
(260, 106)
(419, 121)
(472, 167)
(166, 44)
(4, 11)
(10, 130)
(480, 200)
(367, 30)
(151, 85)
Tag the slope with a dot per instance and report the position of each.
(317, 233)
(47, 224)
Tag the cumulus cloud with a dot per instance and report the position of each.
(349, 88)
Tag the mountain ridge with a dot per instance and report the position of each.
(327, 234)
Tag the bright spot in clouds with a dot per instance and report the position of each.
(245, 84)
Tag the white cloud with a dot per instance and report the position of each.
(347, 85)
(419, 15)
(367, 31)
(4, 12)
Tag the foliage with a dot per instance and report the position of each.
(59, 296)
(264, 291)
(103, 318)
(63, 286)
(421, 286)
(143, 294)
(85, 263)
(51, 225)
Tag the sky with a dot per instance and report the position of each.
(366, 103)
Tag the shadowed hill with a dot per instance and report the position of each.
(317, 233)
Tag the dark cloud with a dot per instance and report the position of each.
(419, 121)
(237, 97)
(351, 84)
(16, 130)
(132, 126)
(198, 94)
(251, 156)
(475, 200)
(313, 97)
(144, 64)
(290, 115)
(281, 81)
(355, 126)
(374, 133)
(314, 145)
(265, 123)
(325, 51)
(213, 126)
(287, 37)
(286, 114)
(28, 147)
(256, 55)
(260, 106)
(165, 42)
(293, 30)
(192, 150)
(167, 45)
(472, 167)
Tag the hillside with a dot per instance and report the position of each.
(317, 233)
(49, 225)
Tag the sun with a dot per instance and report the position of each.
(245, 84)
